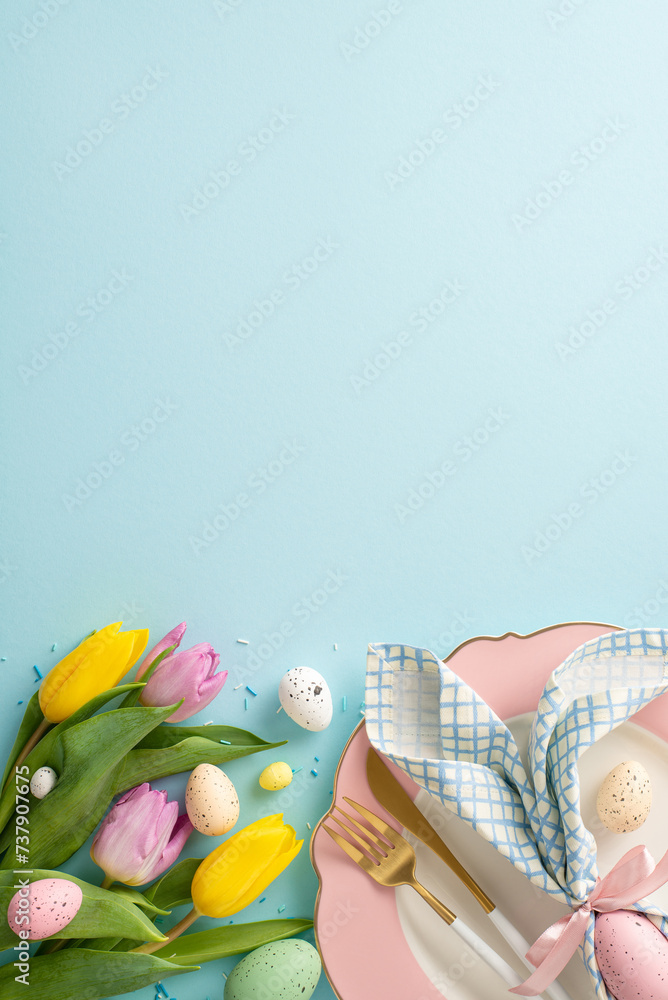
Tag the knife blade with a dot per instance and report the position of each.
(398, 802)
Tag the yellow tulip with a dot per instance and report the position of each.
(97, 664)
(237, 871)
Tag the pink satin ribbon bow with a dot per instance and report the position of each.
(632, 878)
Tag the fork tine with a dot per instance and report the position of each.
(346, 846)
(391, 835)
(360, 840)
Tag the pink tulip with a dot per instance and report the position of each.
(172, 638)
(140, 837)
(189, 674)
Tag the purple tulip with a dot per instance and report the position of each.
(172, 638)
(140, 837)
(189, 674)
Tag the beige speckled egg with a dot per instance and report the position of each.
(212, 802)
(276, 776)
(625, 797)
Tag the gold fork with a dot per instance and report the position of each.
(392, 862)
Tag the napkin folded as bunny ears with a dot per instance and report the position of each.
(442, 734)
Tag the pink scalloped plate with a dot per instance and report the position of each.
(376, 943)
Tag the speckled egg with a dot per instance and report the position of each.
(625, 797)
(632, 955)
(306, 698)
(285, 970)
(276, 776)
(44, 907)
(212, 802)
(43, 781)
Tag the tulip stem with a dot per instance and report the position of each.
(107, 881)
(176, 930)
(30, 745)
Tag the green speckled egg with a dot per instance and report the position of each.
(285, 970)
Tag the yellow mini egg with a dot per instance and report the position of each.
(276, 776)
(212, 802)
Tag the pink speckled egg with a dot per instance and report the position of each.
(632, 955)
(44, 907)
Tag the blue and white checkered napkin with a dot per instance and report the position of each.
(442, 734)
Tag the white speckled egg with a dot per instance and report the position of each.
(50, 904)
(212, 802)
(276, 776)
(625, 797)
(306, 698)
(43, 781)
(632, 955)
(285, 970)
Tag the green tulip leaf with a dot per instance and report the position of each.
(86, 975)
(88, 758)
(138, 898)
(32, 717)
(169, 736)
(7, 837)
(233, 939)
(172, 749)
(43, 754)
(173, 889)
(102, 913)
(102, 944)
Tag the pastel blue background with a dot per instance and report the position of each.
(492, 546)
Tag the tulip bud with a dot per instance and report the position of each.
(97, 664)
(172, 638)
(141, 836)
(237, 871)
(189, 675)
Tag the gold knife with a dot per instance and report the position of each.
(391, 795)
(399, 804)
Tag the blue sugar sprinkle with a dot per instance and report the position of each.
(281, 908)
(248, 688)
(314, 772)
(317, 758)
(262, 900)
(344, 703)
(225, 742)
(3, 658)
(296, 769)
(40, 675)
(246, 703)
(53, 648)
(19, 702)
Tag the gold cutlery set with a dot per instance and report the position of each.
(384, 854)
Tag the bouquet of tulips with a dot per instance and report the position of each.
(101, 940)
